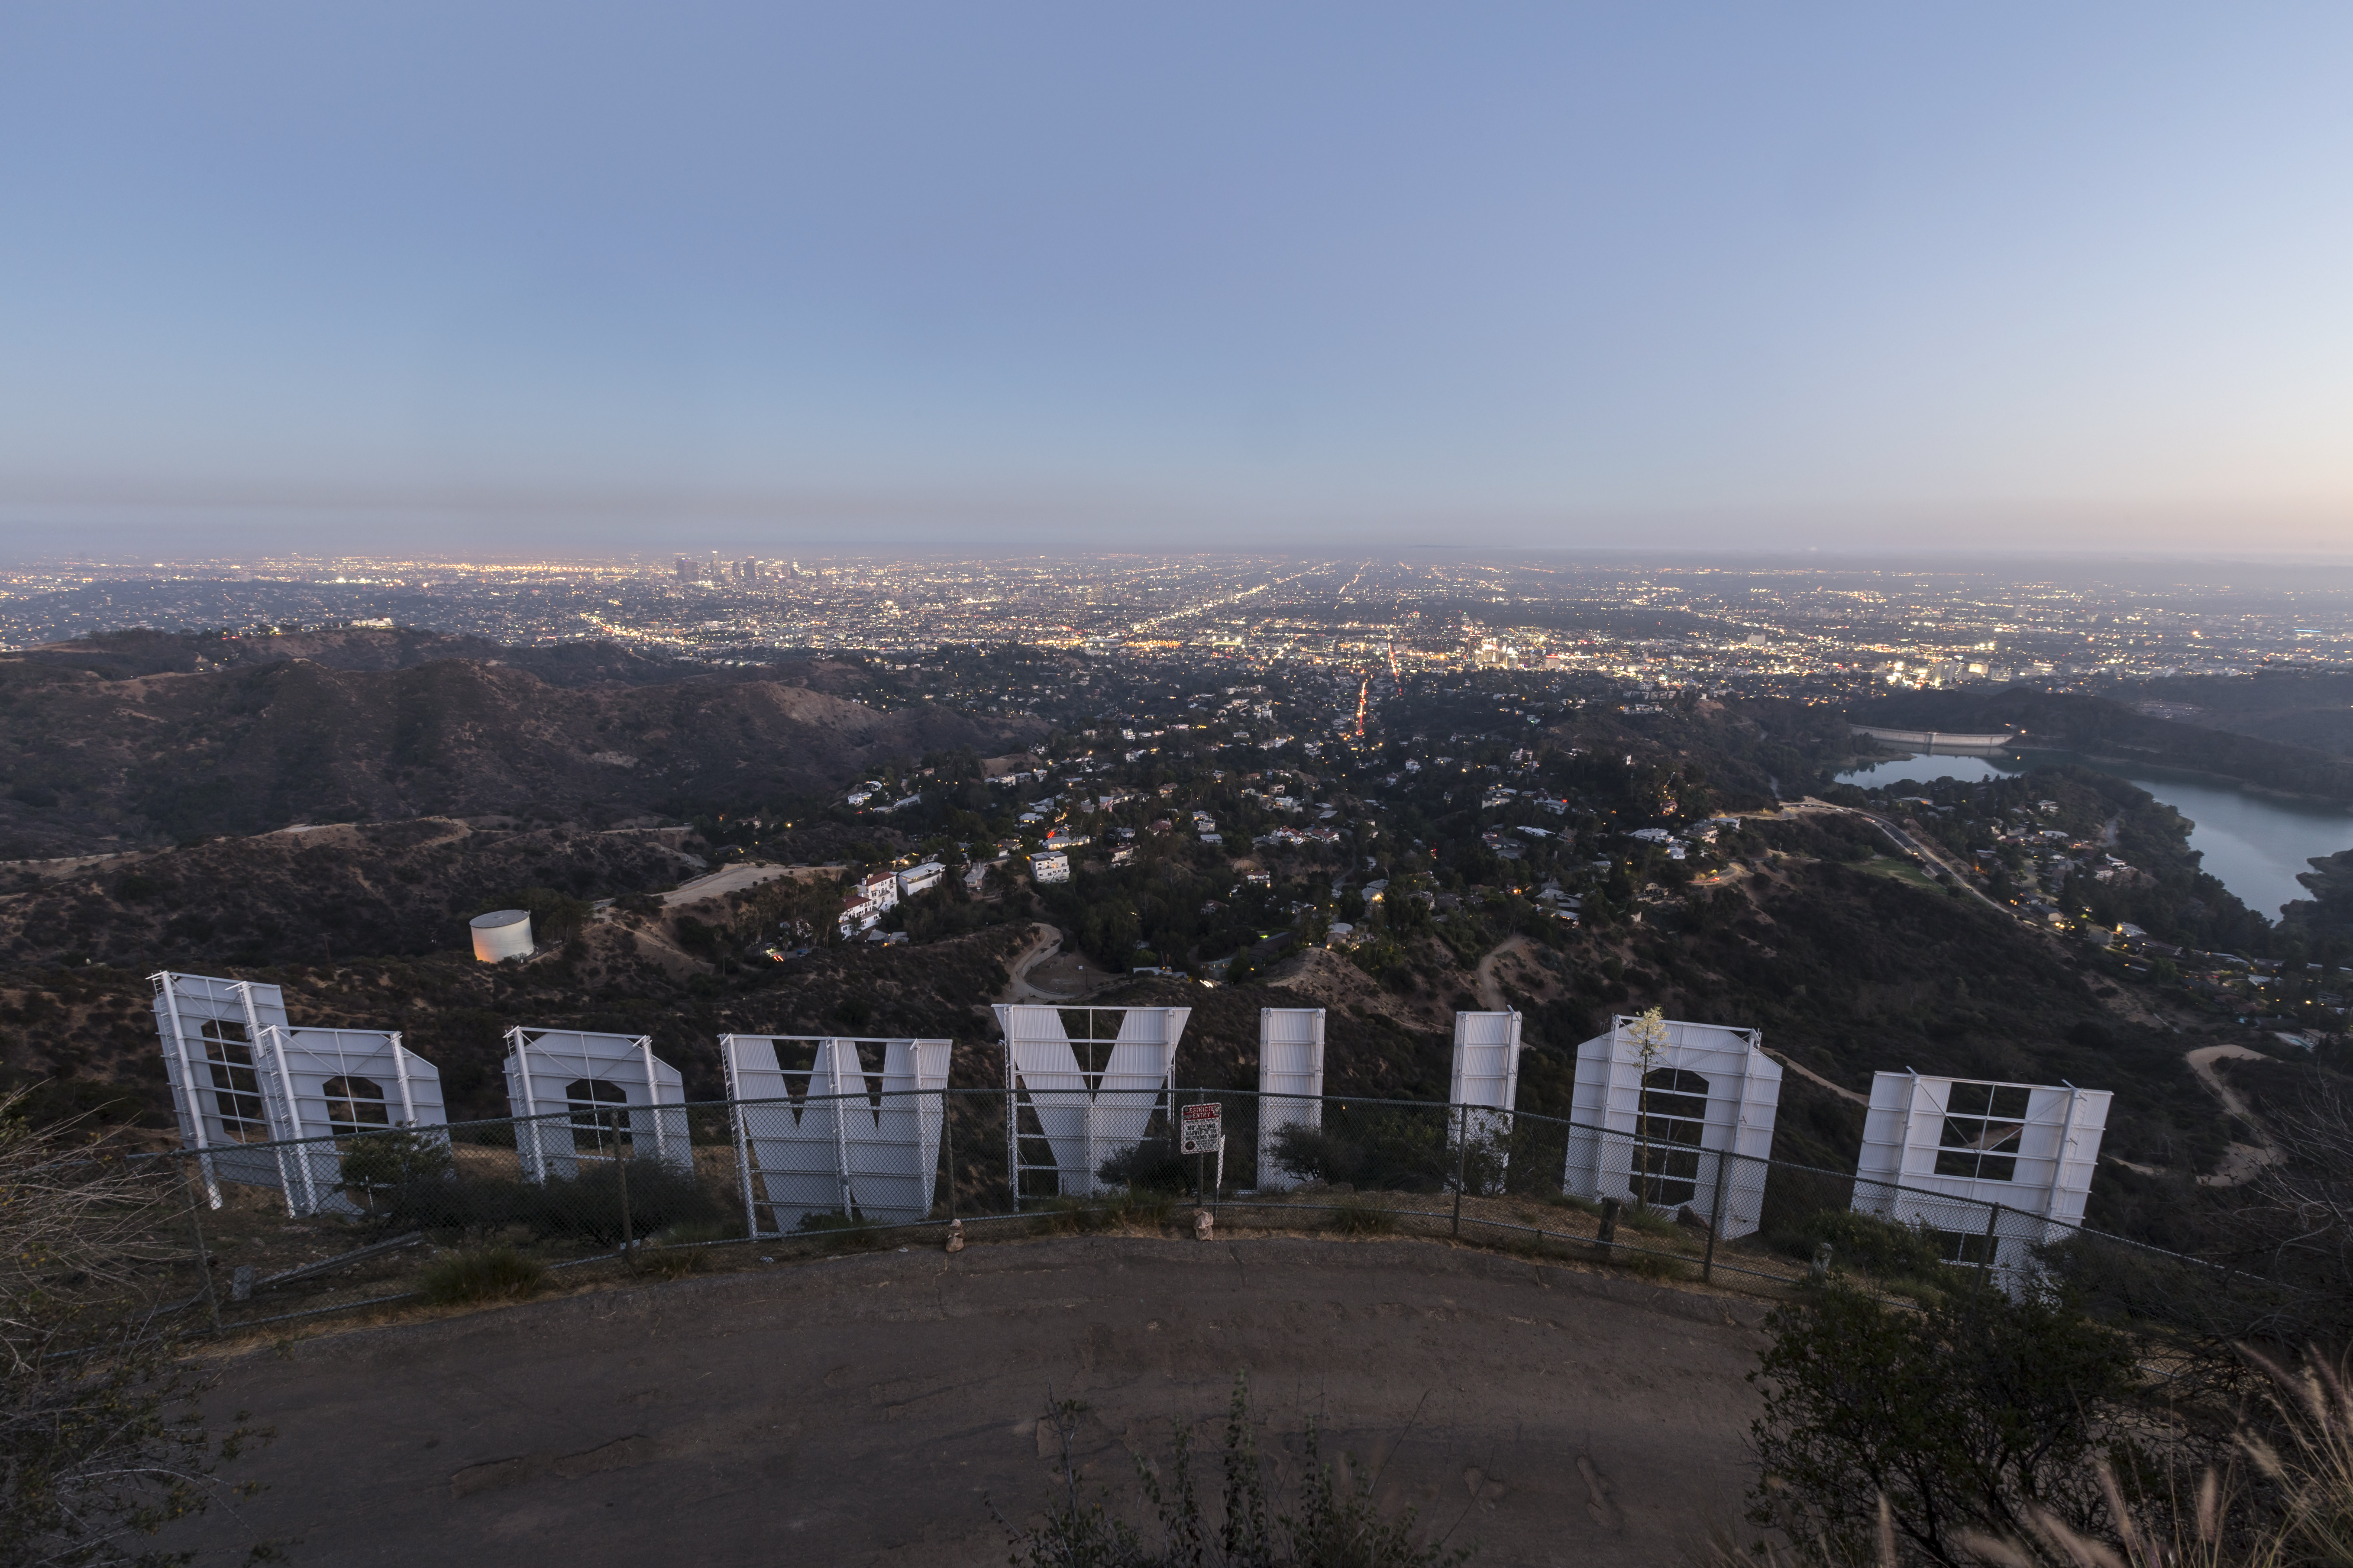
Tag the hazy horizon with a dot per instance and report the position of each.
(1999, 280)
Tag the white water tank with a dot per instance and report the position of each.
(502, 933)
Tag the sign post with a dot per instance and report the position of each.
(1201, 1130)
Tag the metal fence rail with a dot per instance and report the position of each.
(326, 1224)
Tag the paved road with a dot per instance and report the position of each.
(861, 1411)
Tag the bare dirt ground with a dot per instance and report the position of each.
(2240, 1162)
(868, 1410)
(1491, 992)
(734, 880)
(1044, 971)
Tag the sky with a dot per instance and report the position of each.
(504, 277)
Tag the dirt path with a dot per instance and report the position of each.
(870, 1410)
(1045, 942)
(734, 880)
(2240, 1162)
(1491, 991)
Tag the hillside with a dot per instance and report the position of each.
(2312, 710)
(2097, 726)
(318, 895)
(462, 785)
(126, 754)
(137, 651)
(1847, 968)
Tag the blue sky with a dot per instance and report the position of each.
(1987, 275)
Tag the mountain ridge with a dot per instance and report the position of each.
(92, 761)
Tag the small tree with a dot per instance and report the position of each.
(103, 1439)
(399, 1157)
(1977, 1416)
(1648, 1035)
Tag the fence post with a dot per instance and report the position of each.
(1461, 1160)
(196, 1229)
(628, 1239)
(1715, 1218)
(743, 1158)
(1605, 1235)
(1202, 1195)
(1993, 1218)
(947, 1143)
(1012, 1130)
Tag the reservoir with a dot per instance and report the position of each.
(2253, 845)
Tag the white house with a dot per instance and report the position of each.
(1049, 866)
(920, 879)
(867, 900)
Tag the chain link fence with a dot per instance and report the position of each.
(322, 1225)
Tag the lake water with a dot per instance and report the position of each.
(2253, 845)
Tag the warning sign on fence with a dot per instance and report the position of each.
(1203, 1129)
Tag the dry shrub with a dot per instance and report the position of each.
(476, 1275)
(1355, 1217)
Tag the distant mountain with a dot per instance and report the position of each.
(141, 738)
(2097, 726)
(320, 894)
(2298, 709)
(125, 655)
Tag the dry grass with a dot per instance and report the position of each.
(1356, 1217)
(478, 1275)
(2300, 1516)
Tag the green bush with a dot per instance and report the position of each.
(480, 1274)
(1355, 1217)
(1648, 1221)
(587, 1206)
(1969, 1414)
(1154, 1163)
(1377, 1147)
(1878, 1246)
(555, 914)
(460, 1205)
(396, 1158)
(1143, 1208)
